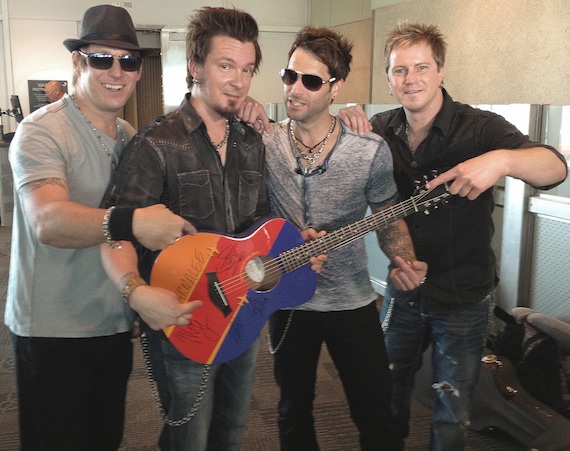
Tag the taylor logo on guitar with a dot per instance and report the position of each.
(242, 280)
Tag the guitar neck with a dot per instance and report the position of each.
(300, 255)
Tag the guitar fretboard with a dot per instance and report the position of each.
(300, 255)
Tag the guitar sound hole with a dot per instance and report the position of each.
(262, 273)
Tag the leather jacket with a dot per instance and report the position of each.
(172, 161)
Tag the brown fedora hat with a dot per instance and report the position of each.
(107, 25)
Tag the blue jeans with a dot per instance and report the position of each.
(457, 340)
(355, 343)
(221, 412)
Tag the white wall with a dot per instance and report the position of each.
(329, 13)
(173, 13)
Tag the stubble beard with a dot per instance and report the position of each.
(229, 111)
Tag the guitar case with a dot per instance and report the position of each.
(500, 401)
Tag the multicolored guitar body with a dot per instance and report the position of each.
(242, 280)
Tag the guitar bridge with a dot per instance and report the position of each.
(217, 295)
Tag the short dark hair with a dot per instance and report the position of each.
(328, 46)
(408, 33)
(208, 22)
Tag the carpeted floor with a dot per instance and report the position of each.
(335, 429)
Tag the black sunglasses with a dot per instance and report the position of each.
(311, 82)
(104, 61)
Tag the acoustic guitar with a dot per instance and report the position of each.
(241, 280)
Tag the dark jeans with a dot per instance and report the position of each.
(355, 342)
(72, 391)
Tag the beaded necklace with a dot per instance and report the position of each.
(312, 157)
(97, 133)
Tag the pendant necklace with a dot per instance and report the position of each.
(226, 136)
(309, 148)
(98, 135)
(310, 159)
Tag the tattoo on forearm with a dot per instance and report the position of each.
(127, 277)
(29, 187)
(395, 243)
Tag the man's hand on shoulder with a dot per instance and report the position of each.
(253, 113)
(355, 118)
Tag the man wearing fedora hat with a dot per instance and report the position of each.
(71, 329)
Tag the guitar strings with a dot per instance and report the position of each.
(298, 256)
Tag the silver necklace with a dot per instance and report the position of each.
(98, 135)
(225, 140)
(313, 157)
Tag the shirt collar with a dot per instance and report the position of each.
(190, 116)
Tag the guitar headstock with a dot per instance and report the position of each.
(425, 178)
(427, 199)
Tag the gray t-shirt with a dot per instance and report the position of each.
(355, 175)
(54, 292)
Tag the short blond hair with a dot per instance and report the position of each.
(407, 33)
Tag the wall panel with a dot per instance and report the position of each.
(357, 86)
(515, 51)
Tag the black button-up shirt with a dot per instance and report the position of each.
(454, 239)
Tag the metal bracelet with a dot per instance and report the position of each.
(107, 232)
(132, 282)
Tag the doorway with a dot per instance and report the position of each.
(147, 101)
